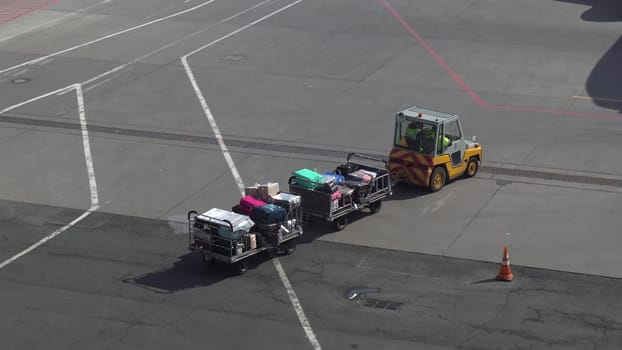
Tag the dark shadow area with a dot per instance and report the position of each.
(604, 85)
(403, 191)
(600, 10)
(488, 280)
(188, 272)
(317, 227)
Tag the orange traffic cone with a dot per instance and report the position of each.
(505, 274)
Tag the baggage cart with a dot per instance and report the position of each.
(353, 196)
(232, 238)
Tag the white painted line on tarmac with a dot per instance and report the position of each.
(240, 29)
(14, 74)
(89, 166)
(212, 121)
(57, 53)
(297, 306)
(306, 326)
(65, 89)
(243, 12)
(87, 149)
(123, 66)
(45, 239)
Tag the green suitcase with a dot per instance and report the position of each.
(308, 178)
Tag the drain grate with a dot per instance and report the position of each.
(382, 304)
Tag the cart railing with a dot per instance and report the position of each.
(320, 204)
(209, 241)
(204, 238)
(366, 157)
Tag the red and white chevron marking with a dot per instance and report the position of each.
(12, 9)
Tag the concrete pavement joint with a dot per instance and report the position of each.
(523, 171)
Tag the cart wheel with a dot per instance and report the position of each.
(472, 167)
(437, 179)
(375, 206)
(341, 223)
(208, 260)
(241, 267)
(289, 247)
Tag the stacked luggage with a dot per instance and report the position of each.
(222, 231)
(332, 195)
(343, 185)
(268, 207)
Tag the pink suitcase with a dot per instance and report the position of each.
(247, 203)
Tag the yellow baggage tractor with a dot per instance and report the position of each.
(429, 149)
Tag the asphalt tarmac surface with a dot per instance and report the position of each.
(118, 118)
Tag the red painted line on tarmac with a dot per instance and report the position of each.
(434, 55)
(10, 10)
(470, 91)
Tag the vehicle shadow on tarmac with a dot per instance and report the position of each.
(403, 191)
(189, 271)
(603, 83)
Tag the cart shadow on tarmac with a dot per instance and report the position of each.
(316, 228)
(189, 271)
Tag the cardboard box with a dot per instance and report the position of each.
(252, 241)
(266, 191)
(251, 191)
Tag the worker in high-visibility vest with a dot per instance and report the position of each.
(410, 136)
(442, 143)
(427, 143)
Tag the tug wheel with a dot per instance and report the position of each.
(437, 179)
(472, 167)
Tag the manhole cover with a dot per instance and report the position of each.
(20, 80)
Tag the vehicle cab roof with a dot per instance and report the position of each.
(426, 114)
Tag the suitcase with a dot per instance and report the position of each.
(268, 214)
(286, 200)
(327, 187)
(360, 190)
(360, 176)
(346, 194)
(345, 169)
(247, 203)
(336, 178)
(215, 220)
(373, 174)
(307, 178)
